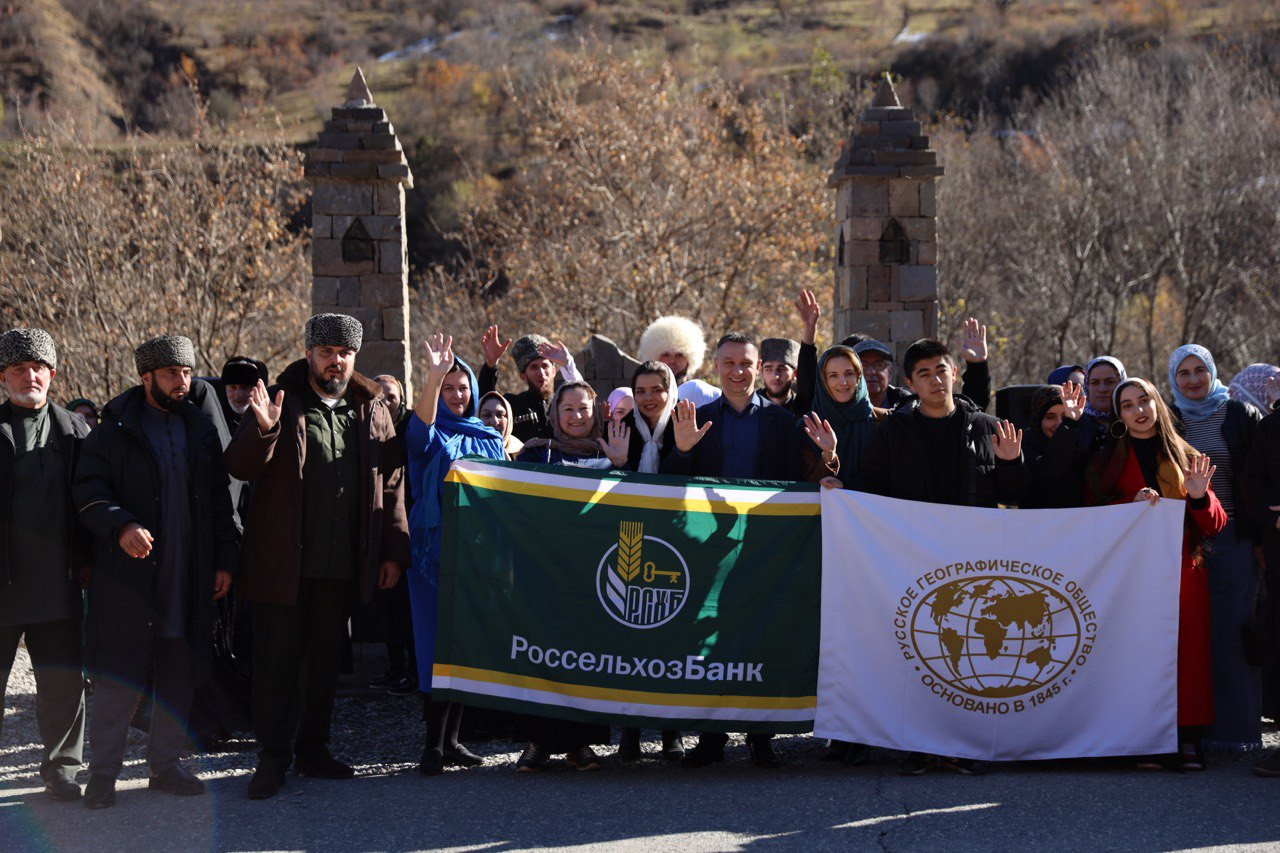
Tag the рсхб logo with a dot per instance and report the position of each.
(642, 581)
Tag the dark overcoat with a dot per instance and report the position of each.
(118, 482)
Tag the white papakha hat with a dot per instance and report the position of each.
(674, 334)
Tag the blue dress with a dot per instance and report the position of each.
(432, 451)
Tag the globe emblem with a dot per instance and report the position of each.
(995, 637)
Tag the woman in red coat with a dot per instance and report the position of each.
(1150, 461)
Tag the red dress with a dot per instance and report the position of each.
(1195, 680)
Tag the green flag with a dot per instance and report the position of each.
(629, 599)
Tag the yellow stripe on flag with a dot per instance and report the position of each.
(617, 498)
(639, 697)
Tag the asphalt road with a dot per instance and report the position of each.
(806, 804)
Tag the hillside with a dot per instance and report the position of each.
(108, 65)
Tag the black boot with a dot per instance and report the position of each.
(436, 715)
(455, 754)
(672, 746)
(629, 745)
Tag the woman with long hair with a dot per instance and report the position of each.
(1148, 461)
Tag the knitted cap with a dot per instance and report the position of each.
(17, 345)
(334, 330)
(165, 351)
(525, 350)
(784, 350)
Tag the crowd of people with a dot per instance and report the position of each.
(128, 531)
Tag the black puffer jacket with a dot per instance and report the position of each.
(118, 482)
(896, 464)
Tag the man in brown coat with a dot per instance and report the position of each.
(326, 524)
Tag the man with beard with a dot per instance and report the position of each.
(152, 487)
(239, 376)
(537, 360)
(41, 550)
(326, 526)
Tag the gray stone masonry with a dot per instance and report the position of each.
(604, 365)
(886, 234)
(359, 255)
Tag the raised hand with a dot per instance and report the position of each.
(1007, 442)
(820, 433)
(439, 355)
(618, 444)
(687, 431)
(266, 410)
(557, 353)
(1072, 400)
(810, 311)
(494, 347)
(973, 341)
(135, 540)
(1198, 476)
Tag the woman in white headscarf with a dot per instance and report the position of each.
(653, 387)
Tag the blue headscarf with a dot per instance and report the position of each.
(851, 421)
(432, 450)
(1195, 410)
(1062, 374)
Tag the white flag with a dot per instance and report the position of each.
(999, 634)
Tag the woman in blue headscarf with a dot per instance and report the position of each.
(444, 427)
(1224, 430)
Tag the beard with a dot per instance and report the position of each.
(332, 386)
(163, 400)
(238, 409)
(29, 399)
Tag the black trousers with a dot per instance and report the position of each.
(297, 651)
(56, 659)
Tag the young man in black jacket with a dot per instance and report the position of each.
(942, 449)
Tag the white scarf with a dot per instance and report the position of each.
(651, 455)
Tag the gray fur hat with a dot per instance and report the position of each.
(525, 350)
(165, 351)
(334, 330)
(784, 350)
(18, 345)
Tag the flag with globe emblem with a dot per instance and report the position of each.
(999, 634)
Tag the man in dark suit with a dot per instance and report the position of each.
(743, 435)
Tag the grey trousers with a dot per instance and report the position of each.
(114, 703)
(55, 657)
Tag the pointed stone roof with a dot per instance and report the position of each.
(887, 142)
(358, 91)
(358, 143)
(886, 95)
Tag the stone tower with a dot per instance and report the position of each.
(887, 243)
(359, 255)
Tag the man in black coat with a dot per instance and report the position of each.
(742, 435)
(153, 489)
(42, 551)
(942, 449)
